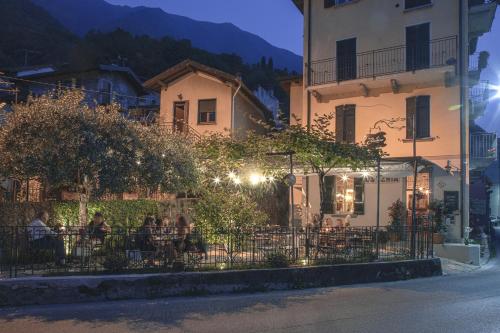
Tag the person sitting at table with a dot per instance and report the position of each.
(183, 230)
(44, 238)
(145, 235)
(98, 228)
(162, 226)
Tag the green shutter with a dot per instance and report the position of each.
(359, 196)
(410, 111)
(350, 123)
(423, 116)
(339, 123)
(328, 195)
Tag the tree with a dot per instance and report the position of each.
(67, 144)
(317, 151)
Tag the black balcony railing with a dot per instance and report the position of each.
(399, 59)
(25, 251)
(483, 146)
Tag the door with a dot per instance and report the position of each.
(418, 47)
(346, 59)
(181, 110)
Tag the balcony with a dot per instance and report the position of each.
(482, 148)
(437, 53)
(481, 16)
(479, 96)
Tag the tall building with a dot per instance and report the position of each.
(399, 62)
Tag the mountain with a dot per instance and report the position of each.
(31, 34)
(81, 16)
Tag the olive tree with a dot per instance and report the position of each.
(64, 142)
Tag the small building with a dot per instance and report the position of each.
(102, 84)
(266, 96)
(201, 100)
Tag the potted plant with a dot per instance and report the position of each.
(437, 216)
(397, 213)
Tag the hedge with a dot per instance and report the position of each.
(116, 213)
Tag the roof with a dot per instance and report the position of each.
(299, 4)
(286, 82)
(40, 72)
(190, 66)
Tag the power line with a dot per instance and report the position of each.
(70, 87)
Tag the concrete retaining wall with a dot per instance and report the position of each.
(467, 254)
(30, 291)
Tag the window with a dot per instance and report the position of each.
(418, 47)
(344, 195)
(423, 191)
(333, 3)
(409, 4)
(347, 68)
(207, 111)
(418, 108)
(345, 123)
(105, 92)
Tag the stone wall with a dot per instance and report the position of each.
(31, 291)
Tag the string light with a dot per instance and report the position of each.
(365, 174)
(345, 178)
(216, 180)
(255, 179)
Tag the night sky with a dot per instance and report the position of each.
(280, 23)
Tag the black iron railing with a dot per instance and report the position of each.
(22, 252)
(181, 128)
(404, 58)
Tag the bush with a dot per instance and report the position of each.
(115, 263)
(118, 213)
(397, 213)
(219, 214)
(277, 260)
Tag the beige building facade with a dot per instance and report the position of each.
(385, 65)
(200, 100)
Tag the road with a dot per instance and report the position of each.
(468, 302)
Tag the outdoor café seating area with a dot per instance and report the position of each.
(135, 250)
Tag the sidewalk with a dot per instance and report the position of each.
(451, 267)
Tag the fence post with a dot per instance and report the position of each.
(373, 64)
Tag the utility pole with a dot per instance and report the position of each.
(414, 199)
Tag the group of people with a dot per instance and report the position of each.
(43, 237)
(150, 236)
(156, 235)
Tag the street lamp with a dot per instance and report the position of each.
(290, 180)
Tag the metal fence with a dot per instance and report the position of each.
(398, 59)
(24, 253)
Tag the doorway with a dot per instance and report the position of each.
(346, 60)
(418, 47)
(181, 116)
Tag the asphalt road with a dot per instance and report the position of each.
(468, 302)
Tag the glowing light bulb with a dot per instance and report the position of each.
(217, 180)
(345, 178)
(255, 179)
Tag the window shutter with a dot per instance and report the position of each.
(328, 195)
(339, 123)
(410, 111)
(350, 123)
(423, 116)
(359, 196)
(329, 3)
